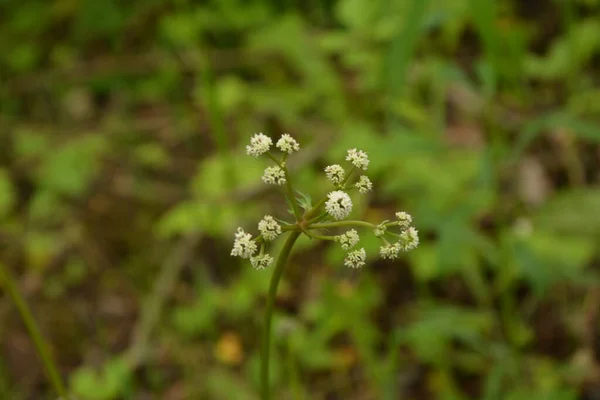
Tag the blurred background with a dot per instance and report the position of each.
(123, 178)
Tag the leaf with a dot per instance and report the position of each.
(573, 212)
(304, 200)
(70, 169)
(110, 382)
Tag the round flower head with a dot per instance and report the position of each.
(364, 185)
(259, 144)
(409, 239)
(389, 251)
(358, 158)
(349, 239)
(356, 258)
(404, 219)
(339, 204)
(261, 261)
(269, 228)
(243, 245)
(287, 144)
(335, 173)
(274, 176)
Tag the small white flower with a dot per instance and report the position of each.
(389, 251)
(404, 219)
(339, 204)
(335, 173)
(364, 185)
(259, 144)
(287, 144)
(409, 239)
(261, 261)
(349, 239)
(358, 158)
(269, 228)
(243, 245)
(274, 176)
(356, 258)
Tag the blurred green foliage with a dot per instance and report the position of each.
(123, 178)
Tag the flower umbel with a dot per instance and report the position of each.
(269, 228)
(349, 239)
(274, 176)
(364, 185)
(358, 158)
(335, 173)
(287, 144)
(259, 144)
(243, 245)
(409, 239)
(404, 219)
(339, 204)
(261, 261)
(356, 258)
(389, 251)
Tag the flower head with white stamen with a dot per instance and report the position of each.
(287, 144)
(409, 239)
(274, 176)
(259, 144)
(389, 251)
(269, 228)
(358, 158)
(261, 261)
(335, 173)
(364, 184)
(339, 204)
(356, 258)
(349, 239)
(243, 245)
(404, 219)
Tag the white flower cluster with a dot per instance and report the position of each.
(287, 144)
(259, 144)
(339, 204)
(364, 184)
(269, 228)
(349, 239)
(356, 258)
(404, 219)
(408, 240)
(335, 173)
(358, 158)
(274, 176)
(261, 261)
(389, 251)
(243, 245)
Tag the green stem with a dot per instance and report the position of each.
(34, 332)
(275, 278)
(322, 237)
(343, 223)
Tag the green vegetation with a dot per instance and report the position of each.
(123, 178)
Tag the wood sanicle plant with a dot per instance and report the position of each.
(330, 212)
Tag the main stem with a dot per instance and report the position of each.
(276, 277)
(34, 332)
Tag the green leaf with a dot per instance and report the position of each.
(108, 383)
(573, 212)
